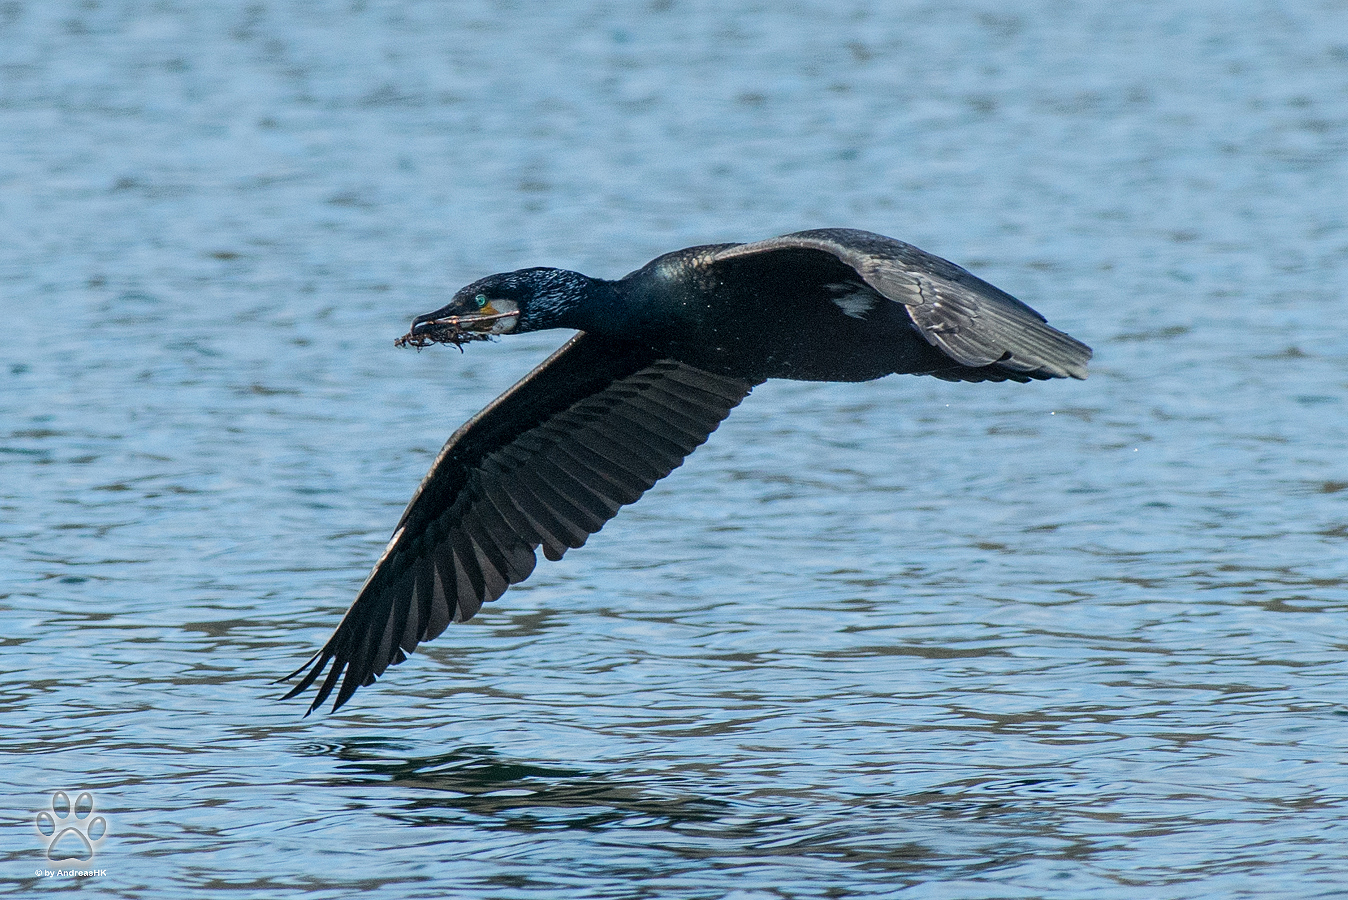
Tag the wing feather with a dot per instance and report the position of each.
(971, 321)
(546, 465)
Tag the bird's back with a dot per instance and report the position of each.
(804, 315)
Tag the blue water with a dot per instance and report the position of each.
(903, 638)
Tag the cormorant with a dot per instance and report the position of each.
(662, 356)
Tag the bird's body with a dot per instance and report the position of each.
(663, 355)
(747, 319)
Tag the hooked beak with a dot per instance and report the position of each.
(438, 328)
(432, 323)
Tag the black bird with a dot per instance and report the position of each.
(662, 356)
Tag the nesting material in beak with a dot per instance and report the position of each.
(456, 330)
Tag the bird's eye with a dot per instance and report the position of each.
(481, 300)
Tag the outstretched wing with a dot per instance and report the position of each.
(547, 464)
(971, 321)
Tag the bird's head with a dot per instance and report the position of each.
(509, 303)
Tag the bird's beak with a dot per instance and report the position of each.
(482, 320)
(440, 327)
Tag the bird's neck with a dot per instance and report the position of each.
(565, 299)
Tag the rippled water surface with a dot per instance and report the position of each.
(899, 638)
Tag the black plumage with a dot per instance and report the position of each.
(662, 356)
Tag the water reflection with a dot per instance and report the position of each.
(514, 795)
(528, 798)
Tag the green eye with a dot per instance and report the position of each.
(481, 300)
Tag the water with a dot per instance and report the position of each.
(902, 638)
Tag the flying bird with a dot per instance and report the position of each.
(661, 358)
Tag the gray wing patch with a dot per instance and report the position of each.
(971, 321)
